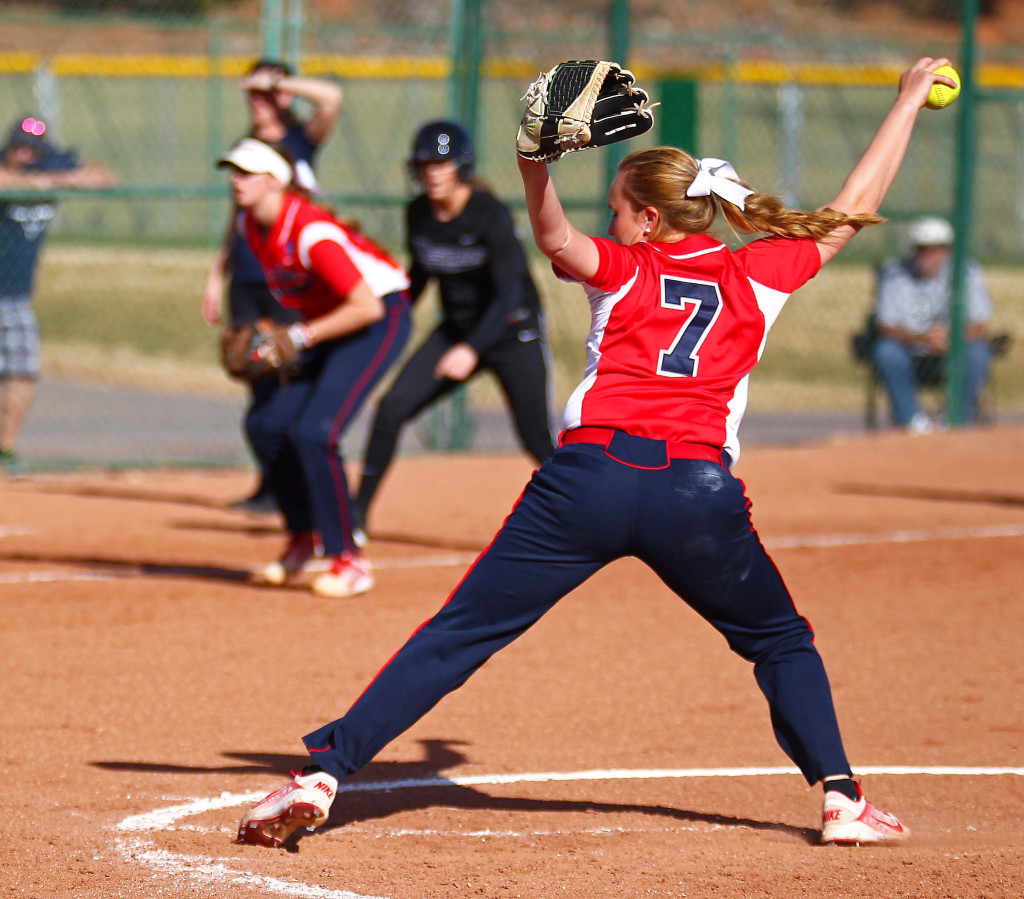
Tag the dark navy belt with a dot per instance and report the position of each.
(641, 452)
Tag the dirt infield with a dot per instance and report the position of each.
(149, 694)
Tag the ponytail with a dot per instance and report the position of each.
(660, 177)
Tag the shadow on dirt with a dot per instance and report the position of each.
(220, 527)
(382, 789)
(129, 568)
(107, 491)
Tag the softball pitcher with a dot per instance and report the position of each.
(643, 469)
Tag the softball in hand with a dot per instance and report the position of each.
(941, 95)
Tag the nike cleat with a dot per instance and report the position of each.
(849, 823)
(304, 802)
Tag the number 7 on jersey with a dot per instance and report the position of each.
(701, 302)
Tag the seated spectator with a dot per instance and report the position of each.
(912, 314)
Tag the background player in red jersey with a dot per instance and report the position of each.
(355, 320)
(679, 321)
(271, 88)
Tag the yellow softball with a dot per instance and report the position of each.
(941, 95)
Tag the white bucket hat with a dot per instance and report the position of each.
(930, 231)
(258, 158)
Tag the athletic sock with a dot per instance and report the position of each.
(845, 785)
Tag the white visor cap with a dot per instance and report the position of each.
(930, 231)
(254, 156)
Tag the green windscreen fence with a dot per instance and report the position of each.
(151, 92)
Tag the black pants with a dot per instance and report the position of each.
(517, 360)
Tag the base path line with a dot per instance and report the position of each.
(180, 867)
(208, 870)
(163, 819)
(52, 577)
(981, 532)
(822, 541)
(439, 561)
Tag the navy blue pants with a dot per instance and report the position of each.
(689, 521)
(295, 428)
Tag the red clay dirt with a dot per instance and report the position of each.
(143, 677)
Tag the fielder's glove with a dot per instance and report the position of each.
(252, 352)
(581, 104)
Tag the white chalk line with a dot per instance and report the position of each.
(983, 532)
(437, 560)
(7, 531)
(451, 560)
(822, 541)
(53, 577)
(207, 869)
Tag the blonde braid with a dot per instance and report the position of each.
(766, 214)
(659, 177)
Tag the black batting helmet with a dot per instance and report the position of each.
(441, 141)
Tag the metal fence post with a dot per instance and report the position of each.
(792, 125)
(271, 26)
(962, 216)
(293, 28)
(216, 138)
(463, 100)
(618, 50)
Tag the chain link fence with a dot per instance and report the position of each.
(790, 92)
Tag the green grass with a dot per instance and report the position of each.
(131, 317)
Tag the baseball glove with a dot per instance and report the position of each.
(581, 104)
(252, 352)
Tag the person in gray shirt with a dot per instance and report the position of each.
(912, 315)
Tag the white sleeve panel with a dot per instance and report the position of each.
(601, 305)
(382, 276)
(770, 301)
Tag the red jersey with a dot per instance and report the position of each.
(676, 329)
(311, 261)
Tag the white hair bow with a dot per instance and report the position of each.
(716, 176)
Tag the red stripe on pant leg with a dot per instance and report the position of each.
(333, 457)
(462, 580)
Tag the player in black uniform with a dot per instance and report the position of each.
(462, 235)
